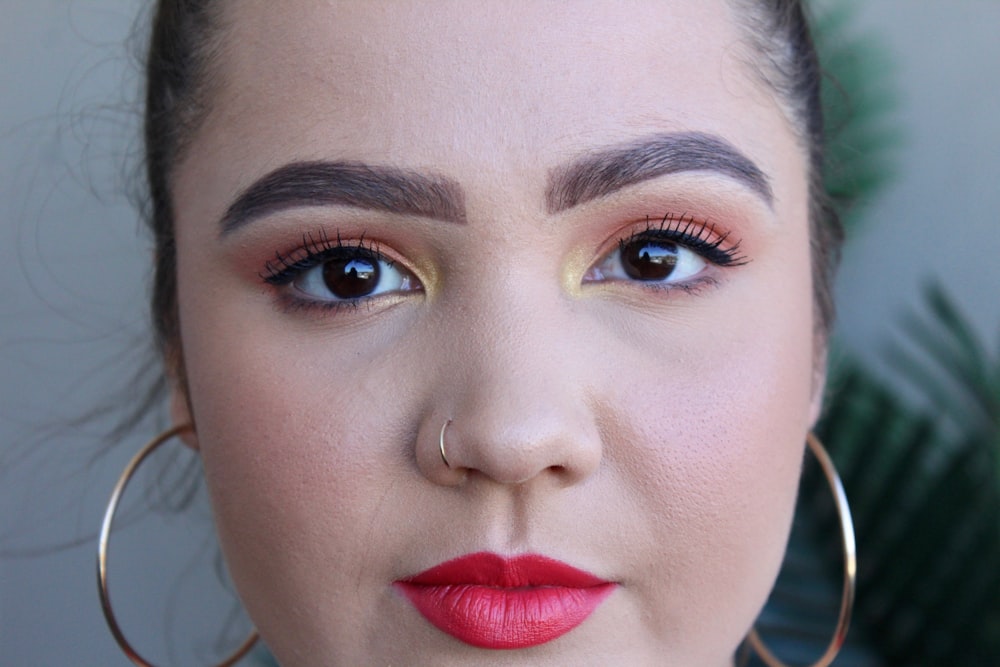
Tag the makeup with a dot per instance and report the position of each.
(494, 602)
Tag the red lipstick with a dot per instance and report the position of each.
(494, 602)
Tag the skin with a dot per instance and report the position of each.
(652, 437)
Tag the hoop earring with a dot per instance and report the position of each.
(850, 565)
(102, 555)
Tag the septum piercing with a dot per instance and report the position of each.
(441, 444)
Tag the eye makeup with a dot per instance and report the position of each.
(316, 248)
(673, 251)
(685, 231)
(678, 252)
(334, 274)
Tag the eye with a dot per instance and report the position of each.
(649, 260)
(326, 271)
(351, 274)
(675, 251)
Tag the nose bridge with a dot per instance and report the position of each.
(519, 407)
(516, 340)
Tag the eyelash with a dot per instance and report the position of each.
(315, 249)
(684, 230)
(318, 248)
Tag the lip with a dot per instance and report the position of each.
(490, 601)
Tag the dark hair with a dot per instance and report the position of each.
(187, 35)
(184, 38)
(784, 54)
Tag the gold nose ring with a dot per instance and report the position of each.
(441, 445)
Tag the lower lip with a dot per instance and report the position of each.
(487, 601)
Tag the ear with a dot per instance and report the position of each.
(181, 413)
(818, 384)
(816, 402)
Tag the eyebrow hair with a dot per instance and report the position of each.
(601, 172)
(355, 184)
(405, 192)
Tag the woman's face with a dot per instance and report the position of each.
(576, 230)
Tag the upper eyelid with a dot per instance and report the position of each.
(681, 225)
(310, 255)
(280, 275)
(316, 245)
(313, 249)
(705, 235)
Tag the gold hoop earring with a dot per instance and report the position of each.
(441, 444)
(102, 555)
(850, 565)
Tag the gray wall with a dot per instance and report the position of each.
(940, 216)
(72, 266)
(73, 269)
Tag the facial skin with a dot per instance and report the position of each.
(648, 434)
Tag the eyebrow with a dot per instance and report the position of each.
(602, 172)
(399, 191)
(354, 184)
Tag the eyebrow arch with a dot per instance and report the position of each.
(344, 183)
(602, 172)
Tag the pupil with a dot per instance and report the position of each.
(352, 277)
(645, 260)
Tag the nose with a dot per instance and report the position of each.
(519, 407)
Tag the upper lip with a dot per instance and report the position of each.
(490, 569)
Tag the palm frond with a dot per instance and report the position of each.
(927, 518)
(950, 366)
(925, 493)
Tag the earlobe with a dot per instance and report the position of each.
(816, 403)
(180, 398)
(818, 388)
(180, 413)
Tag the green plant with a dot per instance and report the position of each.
(859, 104)
(924, 488)
(922, 475)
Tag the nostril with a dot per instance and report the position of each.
(508, 426)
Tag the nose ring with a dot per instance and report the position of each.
(441, 445)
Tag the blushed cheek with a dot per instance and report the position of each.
(715, 432)
(289, 464)
(723, 501)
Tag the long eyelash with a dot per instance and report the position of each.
(699, 237)
(316, 248)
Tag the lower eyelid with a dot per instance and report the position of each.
(694, 286)
(290, 303)
(298, 286)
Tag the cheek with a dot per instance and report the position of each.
(299, 461)
(716, 418)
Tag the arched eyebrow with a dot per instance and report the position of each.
(353, 184)
(598, 173)
(604, 171)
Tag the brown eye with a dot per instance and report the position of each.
(351, 278)
(350, 274)
(649, 260)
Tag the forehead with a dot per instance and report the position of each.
(473, 85)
